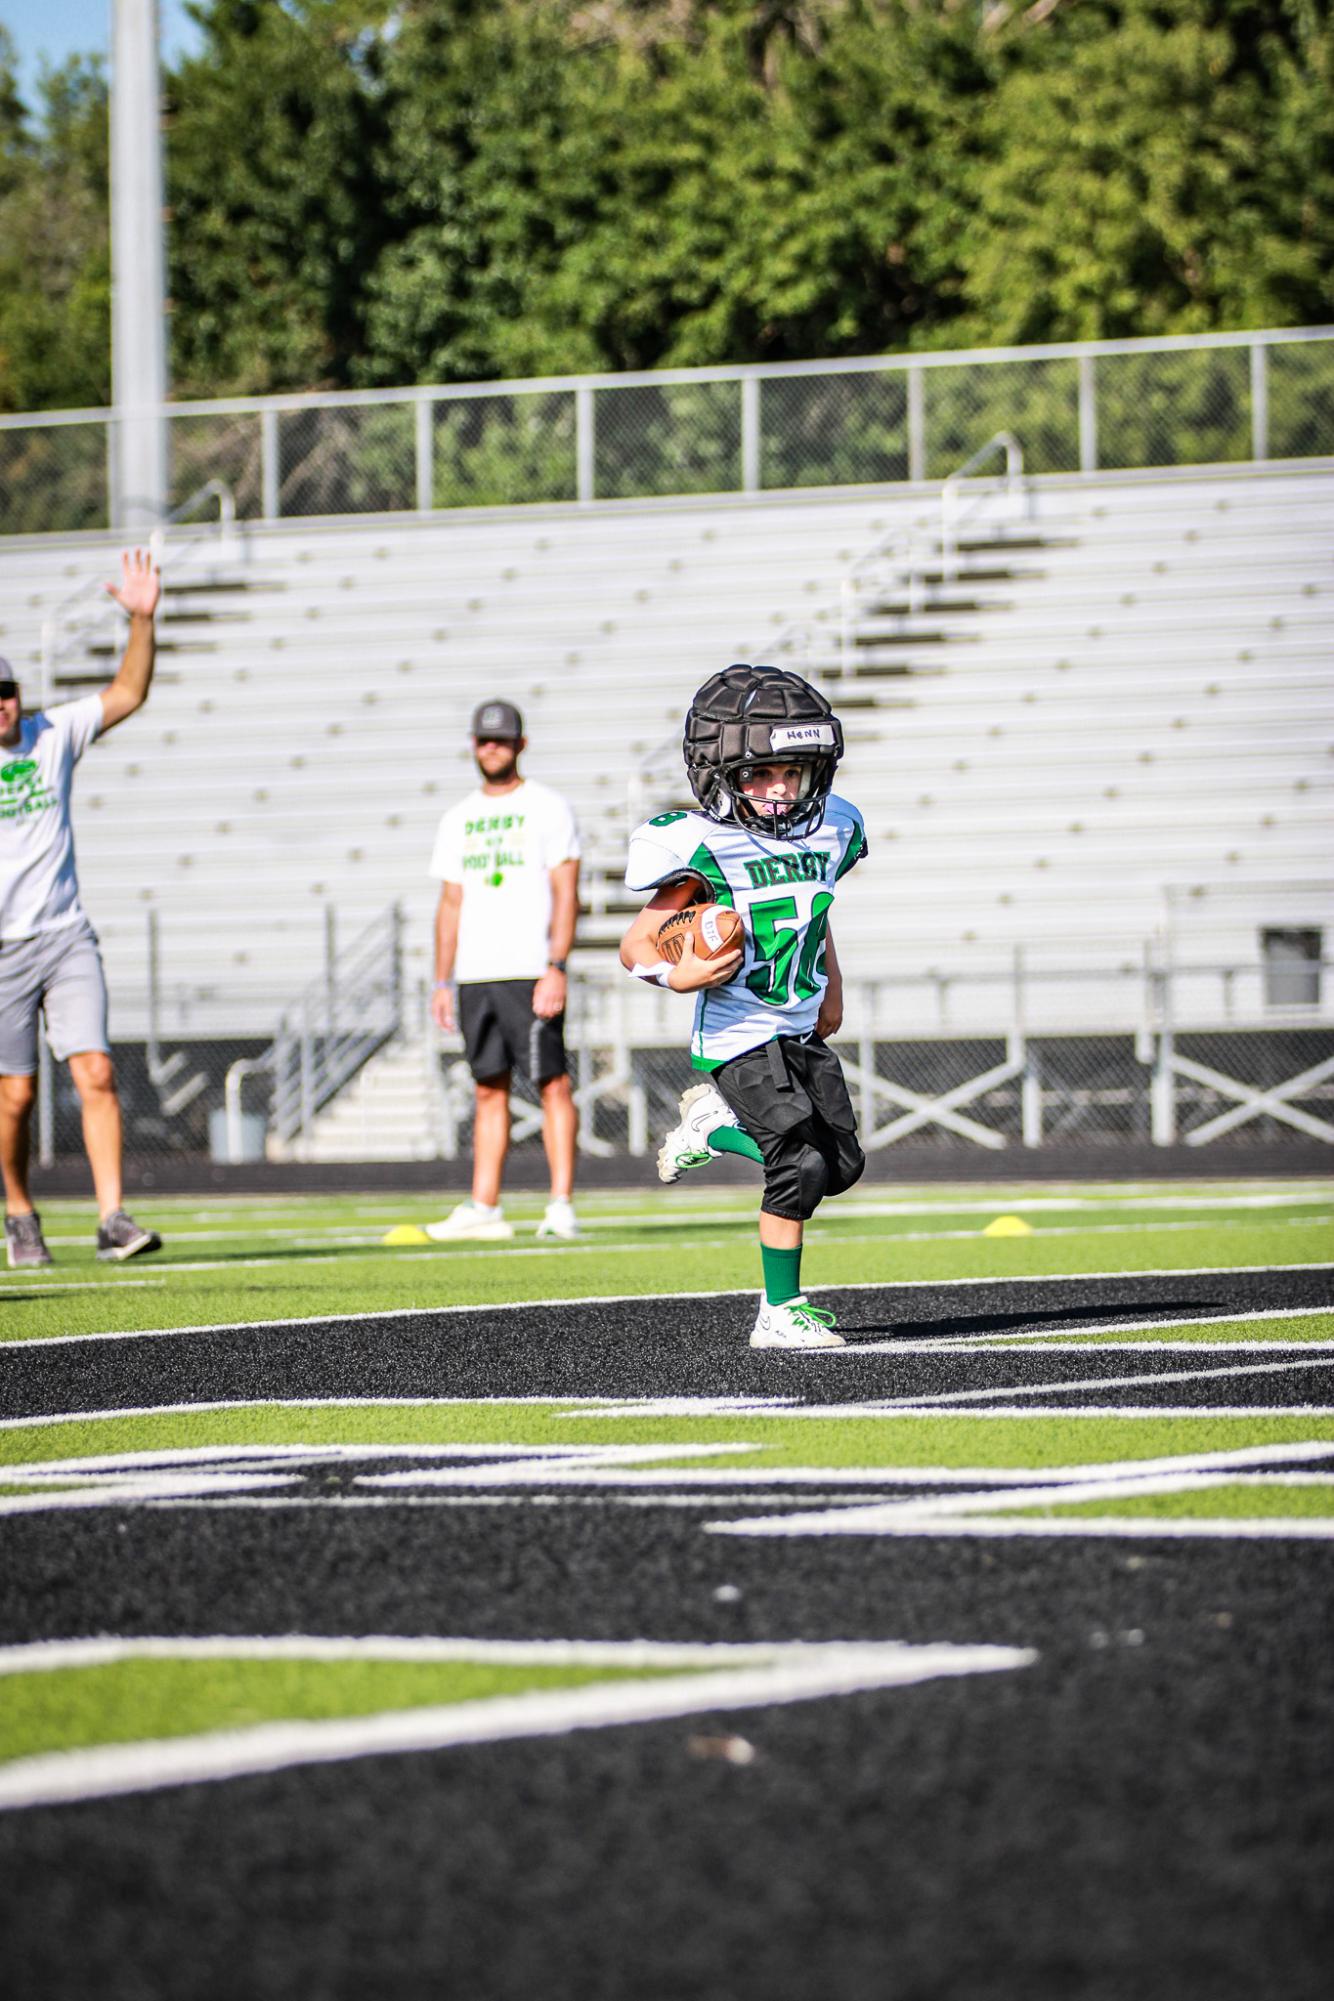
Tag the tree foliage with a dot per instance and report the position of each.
(363, 192)
(55, 267)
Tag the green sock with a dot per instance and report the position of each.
(782, 1274)
(731, 1139)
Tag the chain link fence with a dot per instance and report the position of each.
(1144, 1074)
(1209, 400)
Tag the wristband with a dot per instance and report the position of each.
(443, 983)
(656, 976)
(555, 965)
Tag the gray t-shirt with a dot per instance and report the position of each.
(39, 890)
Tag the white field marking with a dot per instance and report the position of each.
(937, 1344)
(641, 1299)
(877, 1516)
(81, 1284)
(593, 1475)
(248, 1223)
(276, 1403)
(317, 1237)
(615, 1475)
(1040, 1204)
(282, 1457)
(1308, 1528)
(788, 1674)
(554, 1466)
(576, 1408)
(148, 1487)
(1116, 1382)
(926, 1476)
(830, 1239)
(1017, 1347)
(40, 1656)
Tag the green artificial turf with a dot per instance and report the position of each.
(1276, 1501)
(1042, 1439)
(141, 1700)
(262, 1259)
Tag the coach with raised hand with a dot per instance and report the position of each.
(49, 961)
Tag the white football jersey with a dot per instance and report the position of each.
(783, 891)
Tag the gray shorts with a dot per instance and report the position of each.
(59, 975)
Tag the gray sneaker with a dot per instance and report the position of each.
(120, 1237)
(24, 1242)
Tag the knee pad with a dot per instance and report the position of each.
(796, 1181)
(847, 1167)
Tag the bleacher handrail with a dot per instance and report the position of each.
(340, 1020)
(950, 505)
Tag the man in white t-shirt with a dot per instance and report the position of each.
(507, 858)
(49, 961)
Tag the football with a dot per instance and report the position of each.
(715, 929)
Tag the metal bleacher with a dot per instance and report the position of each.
(1107, 708)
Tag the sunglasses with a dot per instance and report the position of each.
(8, 691)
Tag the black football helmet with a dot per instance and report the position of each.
(760, 715)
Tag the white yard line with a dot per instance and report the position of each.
(1301, 1528)
(1055, 1338)
(547, 1303)
(823, 1239)
(789, 1674)
(1114, 1382)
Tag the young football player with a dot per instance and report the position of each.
(772, 841)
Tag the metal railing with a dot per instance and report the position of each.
(953, 509)
(1199, 399)
(344, 1016)
(1042, 1051)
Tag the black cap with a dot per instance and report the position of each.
(497, 719)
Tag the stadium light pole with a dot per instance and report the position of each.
(139, 484)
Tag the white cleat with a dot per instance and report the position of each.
(795, 1324)
(559, 1220)
(468, 1223)
(703, 1109)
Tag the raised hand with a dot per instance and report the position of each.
(140, 584)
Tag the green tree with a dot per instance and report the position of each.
(1163, 166)
(676, 188)
(275, 205)
(55, 285)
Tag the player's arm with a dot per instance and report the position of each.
(639, 947)
(138, 593)
(446, 950)
(549, 995)
(830, 1018)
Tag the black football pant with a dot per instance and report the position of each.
(790, 1096)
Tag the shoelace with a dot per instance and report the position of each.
(819, 1314)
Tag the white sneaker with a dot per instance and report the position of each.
(795, 1324)
(468, 1221)
(703, 1109)
(559, 1220)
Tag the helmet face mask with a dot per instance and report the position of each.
(748, 716)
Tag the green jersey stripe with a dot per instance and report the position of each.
(704, 864)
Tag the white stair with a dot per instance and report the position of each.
(390, 1111)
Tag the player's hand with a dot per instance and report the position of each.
(140, 584)
(830, 1018)
(442, 1009)
(549, 995)
(690, 972)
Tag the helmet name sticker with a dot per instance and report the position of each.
(786, 736)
